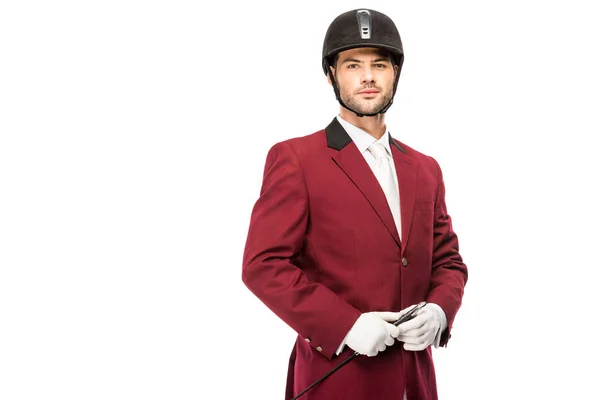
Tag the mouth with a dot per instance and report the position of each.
(369, 92)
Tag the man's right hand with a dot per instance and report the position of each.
(372, 333)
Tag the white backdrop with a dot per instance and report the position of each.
(133, 139)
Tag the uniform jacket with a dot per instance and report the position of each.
(322, 248)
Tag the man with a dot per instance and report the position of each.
(351, 230)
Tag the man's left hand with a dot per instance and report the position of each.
(420, 332)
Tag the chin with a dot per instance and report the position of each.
(370, 110)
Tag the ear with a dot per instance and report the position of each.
(395, 71)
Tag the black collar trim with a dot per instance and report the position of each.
(338, 138)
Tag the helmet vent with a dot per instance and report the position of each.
(364, 23)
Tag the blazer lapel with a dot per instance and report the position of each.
(349, 159)
(406, 171)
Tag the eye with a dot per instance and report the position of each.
(381, 66)
(352, 66)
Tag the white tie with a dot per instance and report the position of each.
(387, 179)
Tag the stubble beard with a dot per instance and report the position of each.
(363, 106)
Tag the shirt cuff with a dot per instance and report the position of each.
(443, 324)
(339, 350)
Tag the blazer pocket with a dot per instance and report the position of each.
(424, 206)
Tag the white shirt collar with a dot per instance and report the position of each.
(362, 139)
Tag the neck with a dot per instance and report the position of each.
(374, 126)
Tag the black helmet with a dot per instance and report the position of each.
(362, 28)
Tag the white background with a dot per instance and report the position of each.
(133, 138)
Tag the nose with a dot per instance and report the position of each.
(367, 76)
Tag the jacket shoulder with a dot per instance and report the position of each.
(411, 152)
(424, 160)
(315, 138)
(303, 146)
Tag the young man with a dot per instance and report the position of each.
(351, 230)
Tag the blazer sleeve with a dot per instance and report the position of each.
(449, 273)
(276, 236)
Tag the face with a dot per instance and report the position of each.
(365, 77)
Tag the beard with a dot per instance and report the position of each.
(364, 106)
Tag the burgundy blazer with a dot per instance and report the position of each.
(322, 248)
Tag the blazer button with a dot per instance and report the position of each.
(307, 340)
(404, 262)
(319, 348)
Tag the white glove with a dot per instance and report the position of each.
(420, 332)
(370, 334)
